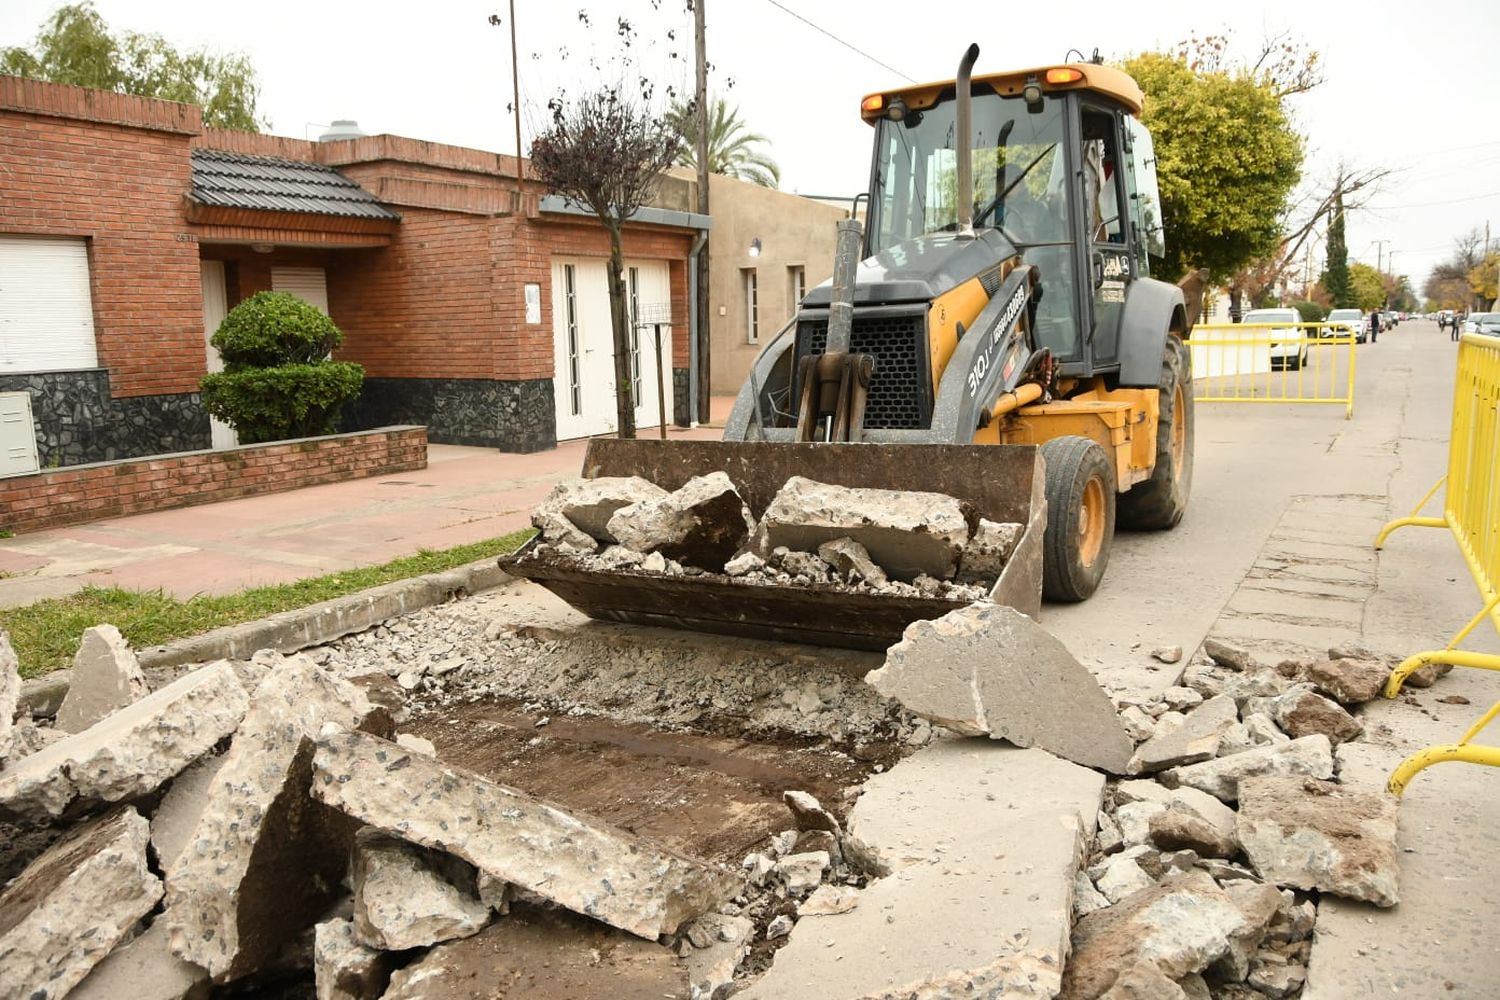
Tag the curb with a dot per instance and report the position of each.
(290, 631)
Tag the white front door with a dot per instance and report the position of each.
(649, 288)
(584, 381)
(215, 307)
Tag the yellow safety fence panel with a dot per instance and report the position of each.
(1273, 363)
(1471, 511)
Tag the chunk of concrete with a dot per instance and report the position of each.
(1256, 730)
(808, 813)
(10, 692)
(711, 967)
(408, 896)
(1311, 756)
(589, 503)
(588, 867)
(744, 564)
(1123, 877)
(1086, 898)
(264, 860)
(144, 969)
(1308, 834)
(1195, 739)
(345, 969)
(989, 549)
(1227, 654)
(1144, 981)
(827, 900)
(971, 908)
(907, 533)
(802, 873)
(1179, 926)
(1259, 904)
(106, 678)
(132, 752)
(1349, 681)
(987, 669)
(566, 536)
(1195, 821)
(701, 524)
(852, 562)
(177, 815)
(1301, 711)
(61, 916)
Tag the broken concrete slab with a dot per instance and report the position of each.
(701, 524)
(177, 815)
(144, 969)
(987, 669)
(131, 753)
(1195, 739)
(408, 896)
(345, 969)
(1179, 926)
(852, 562)
(1177, 828)
(1311, 756)
(543, 954)
(588, 867)
(1301, 711)
(907, 533)
(589, 503)
(1308, 834)
(106, 678)
(1349, 681)
(264, 861)
(70, 907)
(957, 913)
(10, 692)
(808, 813)
(989, 549)
(1258, 904)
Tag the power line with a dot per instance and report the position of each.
(1429, 204)
(836, 38)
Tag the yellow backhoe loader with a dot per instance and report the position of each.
(992, 333)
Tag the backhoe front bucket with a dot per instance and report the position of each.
(1001, 483)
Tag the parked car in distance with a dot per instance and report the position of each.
(1486, 323)
(1283, 355)
(1343, 322)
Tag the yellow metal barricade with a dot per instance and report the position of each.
(1273, 363)
(1471, 511)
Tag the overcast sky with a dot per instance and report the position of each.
(1409, 86)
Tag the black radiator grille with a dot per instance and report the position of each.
(901, 389)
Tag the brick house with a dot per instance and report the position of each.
(127, 229)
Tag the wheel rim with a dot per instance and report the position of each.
(1091, 523)
(1179, 429)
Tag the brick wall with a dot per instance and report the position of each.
(113, 169)
(136, 486)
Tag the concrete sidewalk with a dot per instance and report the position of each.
(464, 495)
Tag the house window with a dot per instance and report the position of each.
(46, 311)
(796, 287)
(575, 390)
(752, 306)
(635, 335)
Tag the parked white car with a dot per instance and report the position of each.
(1283, 355)
(1343, 322)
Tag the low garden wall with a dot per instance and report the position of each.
(81, 493)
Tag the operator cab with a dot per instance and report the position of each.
(1056, 153)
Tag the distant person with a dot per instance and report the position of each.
(1374, 327)
(1456, 328)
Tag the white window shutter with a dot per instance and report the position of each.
(46, 310)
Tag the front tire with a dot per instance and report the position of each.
(1159, 503)
(1080, 491)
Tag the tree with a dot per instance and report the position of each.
(277, 381)
(606, 152)
(1367, 288)
(731, 149)
(1336, 255)
(1227, 158)
(75, 46)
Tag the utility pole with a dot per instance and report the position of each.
(515, 90)
(700, 156)
(1379, 255)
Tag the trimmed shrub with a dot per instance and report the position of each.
(1310, 312)
(277, 381)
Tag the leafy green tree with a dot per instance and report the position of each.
(277, 381)
(1310, 312)
(1366, 287)
(1227, 157)
(1336, 266)
(731, 146)
(75, 46)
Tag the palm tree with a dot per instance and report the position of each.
(729, 144)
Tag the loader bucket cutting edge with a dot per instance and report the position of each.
(1000, 482)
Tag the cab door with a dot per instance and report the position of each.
(1107, 229)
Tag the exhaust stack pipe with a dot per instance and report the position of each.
(965, 128)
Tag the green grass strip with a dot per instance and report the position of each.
(45, 635)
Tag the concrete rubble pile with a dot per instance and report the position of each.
(256, 822)
(893, 542)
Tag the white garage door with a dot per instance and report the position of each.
(46, 312)
(583, 346)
